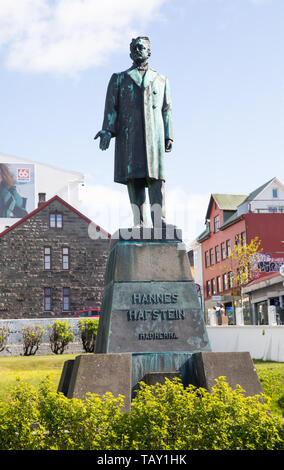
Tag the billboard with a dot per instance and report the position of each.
(17, 189)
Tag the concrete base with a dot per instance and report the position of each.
(98, 373)
(237, 367)
(66, 377)
(160, 377)
(121, 374)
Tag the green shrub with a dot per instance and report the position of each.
(281, 402)
(32, 336)
(171, 417)
(164, 416)
(19, 420)
(4, 334)
(73, 424)
(88, 328)
(60, 336)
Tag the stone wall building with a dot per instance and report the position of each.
(52, 263)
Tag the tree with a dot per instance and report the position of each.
(244, 261)
(4, 333)
(88, 329)
(32, 336)
(60, 336)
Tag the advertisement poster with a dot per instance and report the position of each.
(17, 189)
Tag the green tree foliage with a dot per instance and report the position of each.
(60, 336)
(4, 334)
(244, 260)
(88, 328)
(164, 416)
(32, 336)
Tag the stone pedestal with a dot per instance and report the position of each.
(151, 326)
(150, 302)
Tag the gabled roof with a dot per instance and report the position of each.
(47, 203)
(205, 234)
(226, 202)
(257, 191)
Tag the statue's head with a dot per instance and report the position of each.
(140, 49)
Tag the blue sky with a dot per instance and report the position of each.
(224, 61)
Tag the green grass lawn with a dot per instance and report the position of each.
(33, 369)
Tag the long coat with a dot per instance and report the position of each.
(138, 114)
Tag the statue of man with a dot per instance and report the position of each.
(138, 115)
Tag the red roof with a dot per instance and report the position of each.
(45, 204)
(263, 277)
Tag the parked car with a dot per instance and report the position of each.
(90, 313)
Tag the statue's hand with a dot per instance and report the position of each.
(105, 137)
(169, 145)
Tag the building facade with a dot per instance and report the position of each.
(52, 263)
(237, 219)
(267, 299)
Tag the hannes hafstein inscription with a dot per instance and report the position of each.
(162, 314)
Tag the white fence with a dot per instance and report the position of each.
(263, 342)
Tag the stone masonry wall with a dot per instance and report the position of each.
(22, 274)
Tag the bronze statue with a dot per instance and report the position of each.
(138, 114)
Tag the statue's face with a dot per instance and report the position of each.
(140, 51)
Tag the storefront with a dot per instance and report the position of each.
(266, 296)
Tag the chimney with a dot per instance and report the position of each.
(41, 199)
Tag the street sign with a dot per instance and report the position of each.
(216, 297)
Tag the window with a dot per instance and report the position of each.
(55, 220)
(237, 240)
(47, 257)
(66, 298)
(216, 223)
(228, 243)
(225, 281)
(211, 256)
(223, 250)
(208, 290)
(244, 238)
(272, 210)
(207, 259)
(65, 257)
(217, 254)
(231, 280)
(274, 192)
(213, 287)
(218, 284)
(47, 299)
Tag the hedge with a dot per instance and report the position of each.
(165, 417)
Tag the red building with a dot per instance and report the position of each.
(232, 219)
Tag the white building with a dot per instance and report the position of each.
(45, 179)
(267, 198)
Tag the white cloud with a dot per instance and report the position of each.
(67, 36)
(110, 208)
